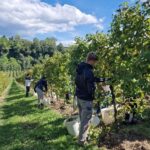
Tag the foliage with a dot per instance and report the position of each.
(130, 39)
(4, 82)
(37, 72)
(57, 74)
(123, 54)
(10, 64)
(24, 54)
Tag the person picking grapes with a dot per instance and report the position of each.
(41, 88)
(85, 88)
(28, 80)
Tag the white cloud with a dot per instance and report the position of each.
(143, 0)
(99, 25)
(133, 1)
(66, 42)
(34, 16)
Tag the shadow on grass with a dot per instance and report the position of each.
(15, 90)
(33, 136)
(28, 131)
(19, 108)
(15, 97)
(42, 131)
(17, 104)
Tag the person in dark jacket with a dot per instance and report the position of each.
(40, 89)
(85, 88)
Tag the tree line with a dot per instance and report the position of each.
(17, 53)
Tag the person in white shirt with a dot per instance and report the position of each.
(28, 81)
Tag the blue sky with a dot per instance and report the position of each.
(63, 19)
(99, 8)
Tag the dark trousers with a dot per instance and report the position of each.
(27, 90)
(85, 114)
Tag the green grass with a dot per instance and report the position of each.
(24, 127)
(4, 82)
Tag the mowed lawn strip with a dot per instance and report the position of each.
(24, 127)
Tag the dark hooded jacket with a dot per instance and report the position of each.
(85, 82)
(42, 85)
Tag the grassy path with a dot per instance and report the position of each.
(24, 127)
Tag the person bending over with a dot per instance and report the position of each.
(40, 89)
